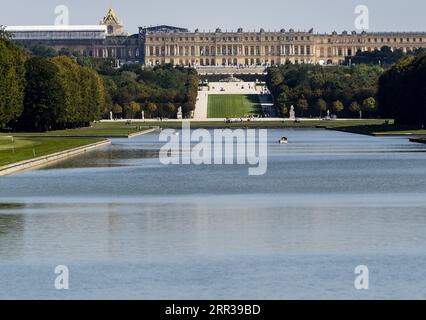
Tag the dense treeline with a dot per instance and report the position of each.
(385, 56)
(159, 92)
(314, 89)
(60, 94)
(131, 89)
(402, 91)
(44, 89)
(40, 93)
(12, 82)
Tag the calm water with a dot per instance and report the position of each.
(129, 227)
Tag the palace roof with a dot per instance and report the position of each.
(56, 28)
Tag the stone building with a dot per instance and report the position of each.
(106, 40)
(178, 46)
(240, 48)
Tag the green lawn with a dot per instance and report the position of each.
(107, 130)
(233, 106)
(28, 148)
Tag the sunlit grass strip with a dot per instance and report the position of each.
(233, 106)
(102, 129)
(30, 148)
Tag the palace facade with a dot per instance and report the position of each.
(178, 46)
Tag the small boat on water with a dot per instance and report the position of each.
(283, 140)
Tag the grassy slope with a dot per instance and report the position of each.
(112, 130)
(24, 148)
(233, 106)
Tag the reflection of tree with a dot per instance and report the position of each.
(11, 231)
(10, 222)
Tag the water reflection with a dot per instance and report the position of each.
(329, 202)
(12, 228)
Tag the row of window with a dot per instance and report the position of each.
(57, 35)
(232, 39)
(120, 53)
(223, 62)
(229, 51)
(376, 40)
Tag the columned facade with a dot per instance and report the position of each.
(166, 45)
(178, 46)
(227, 48)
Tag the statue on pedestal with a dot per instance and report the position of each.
(179, 113)
(292, 113)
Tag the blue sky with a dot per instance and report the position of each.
(323, 16)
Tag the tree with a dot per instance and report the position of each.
(284, 110)
(160, 85)
(85, 96)
(302, 105)
(70, 77)
(369, 105)
(275, 78)
(402, 92)
(338, 106)
(290, 83)
(43, 51)
(12, 82)
(152, 108)
(321, 106)
(131, 109)
(170, 110)
(4, 34)
(354, 107)
(117, 110)
(43, 96)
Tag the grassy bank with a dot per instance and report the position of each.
(97, 130)
(20, 149)
(120, 129)
(262, 124)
